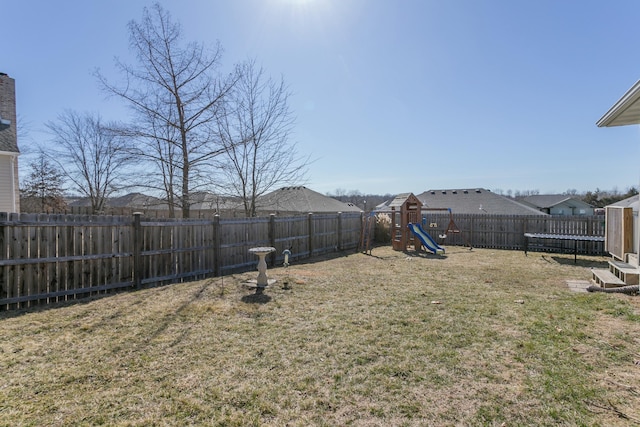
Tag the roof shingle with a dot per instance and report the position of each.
(301, 200)
(472, 201)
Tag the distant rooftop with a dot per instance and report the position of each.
(470, 201)
(300, 199)
(546, 201)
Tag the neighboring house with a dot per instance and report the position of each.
(142, 202)
(297, 200)
(558, 204)
(9, 188)
(226, 206)
(469, 201)
(131, 200)
(285, 201)
(472, 201)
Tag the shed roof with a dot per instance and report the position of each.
(628, 202)
(626, 111)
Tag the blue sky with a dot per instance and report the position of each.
(390, 96)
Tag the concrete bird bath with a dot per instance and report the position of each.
(263, 281)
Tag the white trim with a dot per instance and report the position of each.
(9, 153)
(620, 107)
(14, 190)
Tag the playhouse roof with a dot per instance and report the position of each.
(401, 199)
(626, 111)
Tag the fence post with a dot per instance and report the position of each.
(137, 250)
(310, 234)
(339, 231)
(217, 247)
(272, 239)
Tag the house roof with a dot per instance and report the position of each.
(200, 201)
(131, 200)
(475, 201)
(546, 201)
(8, 133)
(204, 201)
(626, 111)
(288, 199)
(137, 200)
(301, 199)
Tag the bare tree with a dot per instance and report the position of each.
(255, 128)
(518, 194)
(90, 156)
(42, 190)
(338, 193)
(159, 159)
(174, 93)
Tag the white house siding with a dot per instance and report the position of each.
(8, 190)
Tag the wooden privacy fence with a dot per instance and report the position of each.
(507, 231)
(50, 258)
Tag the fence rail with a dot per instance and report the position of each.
(46, 259)
(50, 258)
(507, 231)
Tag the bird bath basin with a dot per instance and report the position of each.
(263, 281)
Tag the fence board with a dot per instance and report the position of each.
(507, 231)
(52, 258)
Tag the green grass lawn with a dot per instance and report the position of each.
(481, 337)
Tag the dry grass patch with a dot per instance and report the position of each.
(477, 337)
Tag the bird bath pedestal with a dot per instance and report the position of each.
(263, 281)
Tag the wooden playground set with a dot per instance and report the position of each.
(407, 222)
